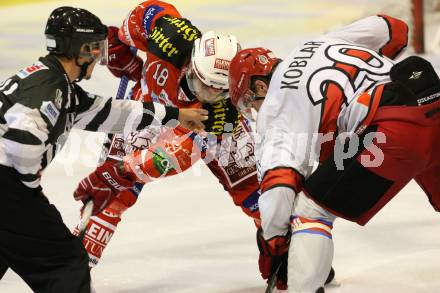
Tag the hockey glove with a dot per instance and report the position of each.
(273, 258)
(121, 61)
(102, 226)
(103, 185)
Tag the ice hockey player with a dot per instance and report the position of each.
(172, 80)
(337, 121)
(38, 107)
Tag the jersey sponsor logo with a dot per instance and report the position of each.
(162, 162)
(170, 39)
(222, 64)
(159, 36)
(50, 111)
(100, 234)
(186, 30)
(149, 14)
(31, 69)
(210, 47)
(112, 181)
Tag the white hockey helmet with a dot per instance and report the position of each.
(207, 75)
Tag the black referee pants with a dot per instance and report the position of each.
(35, 243)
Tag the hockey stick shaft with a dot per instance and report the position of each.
(120, 94)
(85, 219)
(273, 279)
(88, 207)
(122, 88)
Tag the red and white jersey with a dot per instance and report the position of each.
(232, 158)
(141, 20)
(324, 87)
(161, 82)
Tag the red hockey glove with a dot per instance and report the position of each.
(121, 61)
(103, 185)
(273, 254)
(102, 226)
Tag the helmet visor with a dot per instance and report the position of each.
(246, 107)
(97, 50)
(203, 92)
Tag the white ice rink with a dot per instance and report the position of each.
(184, 235)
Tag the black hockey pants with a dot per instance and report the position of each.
(35, 243)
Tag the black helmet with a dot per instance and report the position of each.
(68, 28)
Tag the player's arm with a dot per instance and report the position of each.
(287, 148)
(96, 113)
(140, 21)
(122, 61)
(381, 33)
(285, 154)
(31, 113)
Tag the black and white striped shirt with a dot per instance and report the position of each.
(39, 106)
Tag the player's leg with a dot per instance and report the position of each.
(36, 244)
(311, 246)
(354, 192)
(359, 190)
(429, 181)
(386, 161)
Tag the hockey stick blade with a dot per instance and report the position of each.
(85, 218)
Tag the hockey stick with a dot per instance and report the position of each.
(273, 279)
(88, 207)
(120, 94)
(85, 219)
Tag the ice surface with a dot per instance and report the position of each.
(184, 235)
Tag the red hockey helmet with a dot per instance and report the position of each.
(245, 65)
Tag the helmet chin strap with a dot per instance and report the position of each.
(83, 71)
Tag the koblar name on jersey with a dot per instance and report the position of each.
(294, 72)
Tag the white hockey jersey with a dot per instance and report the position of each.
(324, 87)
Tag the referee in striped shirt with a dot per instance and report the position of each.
(38, 107)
